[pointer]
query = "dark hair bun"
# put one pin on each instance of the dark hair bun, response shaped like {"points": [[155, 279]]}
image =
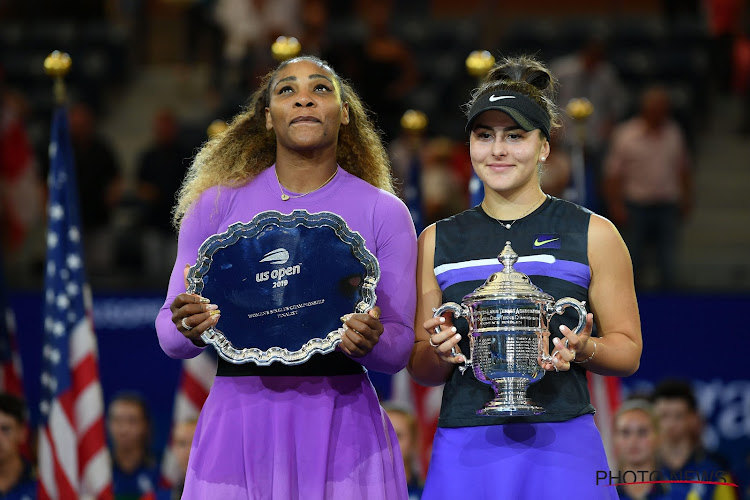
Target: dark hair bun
{"points": [[523, 70], [539, 79]]}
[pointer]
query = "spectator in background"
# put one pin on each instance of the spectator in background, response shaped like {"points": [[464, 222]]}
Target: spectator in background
{"points": [[405, 425], [442, 187], [21, 188], [724, 19], [557, 170], [134, 470], [587, 73], [314, 38], [100, 186], [383, 68], [160, 172], [249, 28], [681, 452], [649, 184], [16, 478], [636, 441], [427, 165], [182, 440]]}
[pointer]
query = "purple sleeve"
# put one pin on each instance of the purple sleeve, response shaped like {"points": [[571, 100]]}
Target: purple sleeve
{"points": [[193, 232], [396, 251]]}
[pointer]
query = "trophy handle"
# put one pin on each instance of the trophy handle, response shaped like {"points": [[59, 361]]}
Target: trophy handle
{"points": [[579, 306], [457, 311]]}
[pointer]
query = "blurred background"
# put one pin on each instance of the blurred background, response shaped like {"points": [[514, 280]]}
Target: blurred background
{"points": [[150, 76]]}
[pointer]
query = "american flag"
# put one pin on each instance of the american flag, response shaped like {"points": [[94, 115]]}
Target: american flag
{"points": [[195, 383], [10, 361], [74, 462], [424, 402], [606, 396]]}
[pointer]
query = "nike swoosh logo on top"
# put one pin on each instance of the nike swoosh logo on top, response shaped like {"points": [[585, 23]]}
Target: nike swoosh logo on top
{"points": [[538, 243], [494, 97]]}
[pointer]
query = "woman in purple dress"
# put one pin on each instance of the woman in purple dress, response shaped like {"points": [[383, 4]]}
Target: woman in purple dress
{"points": [[567, 251], [314, 430]]}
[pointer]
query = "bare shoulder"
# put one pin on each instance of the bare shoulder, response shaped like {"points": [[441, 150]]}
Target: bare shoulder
{"points": [[603, 234], [426, 244], [606, 246], [428, 235]]}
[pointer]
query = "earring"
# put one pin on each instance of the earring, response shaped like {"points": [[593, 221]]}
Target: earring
{"points": [[543, 158]]}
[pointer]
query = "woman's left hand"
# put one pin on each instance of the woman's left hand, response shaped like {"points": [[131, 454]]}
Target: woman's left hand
{"points": [[361, 332], [563, 356]]}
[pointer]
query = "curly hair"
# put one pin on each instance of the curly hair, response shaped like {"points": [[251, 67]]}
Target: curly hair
{"points": [[526, 75], [235, 156]]}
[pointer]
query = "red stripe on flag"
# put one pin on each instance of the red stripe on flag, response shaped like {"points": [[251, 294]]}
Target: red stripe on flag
{"points": [[67, 403], [41, 492], [84, 373], [11, 380], [614, 392], [107, 494], [193, 389], [427, 419], [90, 443], [65, 490]]}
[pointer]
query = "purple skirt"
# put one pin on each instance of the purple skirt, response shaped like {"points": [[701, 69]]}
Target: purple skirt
{"points": [[311, 438], [518, 462]]}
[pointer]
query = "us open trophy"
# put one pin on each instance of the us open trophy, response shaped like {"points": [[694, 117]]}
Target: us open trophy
{"points": [[508, 320]]}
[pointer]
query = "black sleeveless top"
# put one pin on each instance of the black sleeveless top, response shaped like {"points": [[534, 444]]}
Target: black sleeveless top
{"points": [[552, 245]]}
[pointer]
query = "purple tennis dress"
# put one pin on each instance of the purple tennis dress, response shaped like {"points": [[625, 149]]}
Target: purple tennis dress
{"points": [[302, 437]]}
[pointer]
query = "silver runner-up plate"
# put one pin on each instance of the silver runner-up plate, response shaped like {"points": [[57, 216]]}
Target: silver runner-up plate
{"points": [[282, 283]]}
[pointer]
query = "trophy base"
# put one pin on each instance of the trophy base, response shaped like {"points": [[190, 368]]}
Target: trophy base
{"points": [[501, 409], [510, 399]]}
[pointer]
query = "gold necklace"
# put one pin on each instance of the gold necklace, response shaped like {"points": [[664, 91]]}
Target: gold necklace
{"points": [[285, 197], [508, 225]]}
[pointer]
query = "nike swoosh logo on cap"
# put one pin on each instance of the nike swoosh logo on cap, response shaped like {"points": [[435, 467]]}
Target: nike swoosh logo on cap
{"points": [[538, 243], [494, 97]]}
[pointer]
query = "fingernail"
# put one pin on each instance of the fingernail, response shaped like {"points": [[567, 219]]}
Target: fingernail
{"points": [[211, 307], [442, 319], [345, 318], [205, 300], [555, 341], [561, 328], [215, 313], [453, 329], [457, 336], [374, 313], [216, 316]]}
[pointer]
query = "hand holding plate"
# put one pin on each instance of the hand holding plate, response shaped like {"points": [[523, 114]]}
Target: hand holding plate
{"points": [[361, 332], [192, 315]]}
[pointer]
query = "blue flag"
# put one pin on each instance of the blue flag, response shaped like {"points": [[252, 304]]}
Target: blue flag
{"points": [[413, 193], [10, 360], [476, 190]]}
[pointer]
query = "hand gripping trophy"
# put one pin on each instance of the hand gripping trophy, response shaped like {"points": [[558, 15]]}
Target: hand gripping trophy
{"points": [[508, 324]]}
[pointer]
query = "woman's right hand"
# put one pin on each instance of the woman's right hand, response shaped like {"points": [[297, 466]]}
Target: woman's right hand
{"points": [[192, 315], [444, 341]]}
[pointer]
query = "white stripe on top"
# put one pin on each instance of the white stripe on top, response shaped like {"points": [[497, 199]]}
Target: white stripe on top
{"points": [[547, 259]]}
